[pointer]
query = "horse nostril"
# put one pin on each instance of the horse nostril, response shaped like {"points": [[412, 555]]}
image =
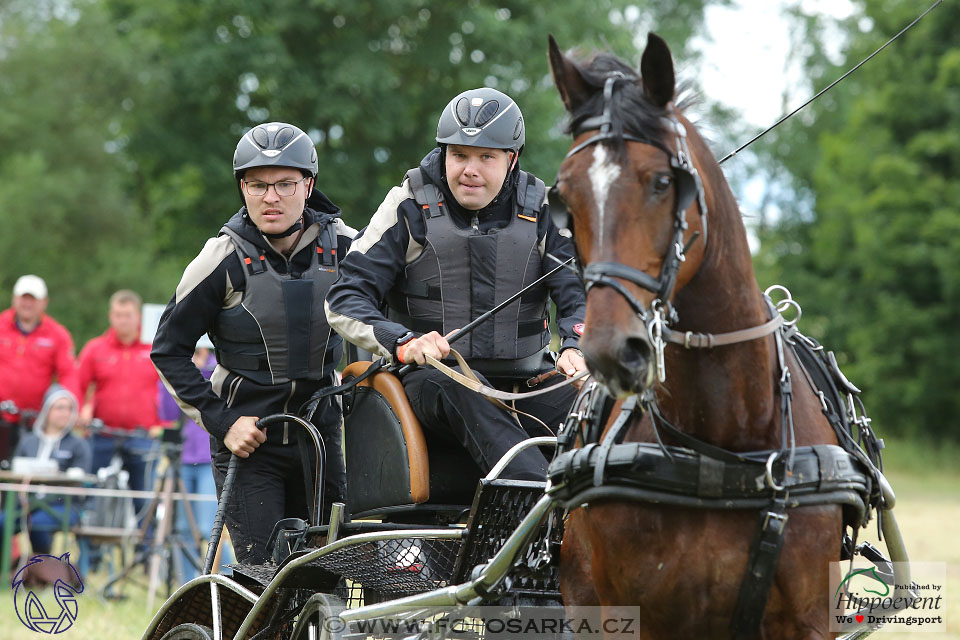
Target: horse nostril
{"points": [[635, 351]]}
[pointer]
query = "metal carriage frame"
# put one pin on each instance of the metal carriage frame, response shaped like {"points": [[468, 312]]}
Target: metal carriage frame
{"points": [[369, 570]]}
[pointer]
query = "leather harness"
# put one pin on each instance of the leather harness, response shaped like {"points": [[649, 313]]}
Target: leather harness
{"points": [[698, 474]]}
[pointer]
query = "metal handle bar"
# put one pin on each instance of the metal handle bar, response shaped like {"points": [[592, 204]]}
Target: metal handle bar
{"points": [[228, 481], [515, 450], [97, 427]]}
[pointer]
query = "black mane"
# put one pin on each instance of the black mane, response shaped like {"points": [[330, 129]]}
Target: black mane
{"points": [[631, 111]]}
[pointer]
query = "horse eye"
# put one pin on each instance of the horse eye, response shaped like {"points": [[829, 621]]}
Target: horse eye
{"points": [[662, 183]]}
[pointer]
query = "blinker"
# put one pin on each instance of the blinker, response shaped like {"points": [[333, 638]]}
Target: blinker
{"points": [[686, 187], [559, 212]]}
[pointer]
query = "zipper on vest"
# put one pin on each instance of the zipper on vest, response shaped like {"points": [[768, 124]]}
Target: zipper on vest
{"points": [[286, 408], [475, 223]]}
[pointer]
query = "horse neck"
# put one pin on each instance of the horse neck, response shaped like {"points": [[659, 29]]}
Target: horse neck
{"points": [[724, 395]]}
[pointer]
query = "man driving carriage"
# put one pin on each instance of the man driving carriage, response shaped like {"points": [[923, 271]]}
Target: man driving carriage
{"points": [[464, 231], [257, 289]]}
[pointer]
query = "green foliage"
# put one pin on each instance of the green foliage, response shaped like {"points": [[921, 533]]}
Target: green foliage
{"points": [[870, 248], [121, 116]]}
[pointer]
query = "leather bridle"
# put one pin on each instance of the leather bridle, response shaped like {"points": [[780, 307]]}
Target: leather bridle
{"points": [[688, 187]]}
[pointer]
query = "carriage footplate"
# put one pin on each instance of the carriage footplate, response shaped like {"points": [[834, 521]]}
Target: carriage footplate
{"points": [[310, 575], [498, 507]]}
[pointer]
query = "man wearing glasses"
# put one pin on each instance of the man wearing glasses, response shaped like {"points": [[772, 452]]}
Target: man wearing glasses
{"points": [[257, 289]]}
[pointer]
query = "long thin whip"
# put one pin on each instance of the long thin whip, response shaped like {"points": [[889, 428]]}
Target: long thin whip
{"points": [[832, 84]]}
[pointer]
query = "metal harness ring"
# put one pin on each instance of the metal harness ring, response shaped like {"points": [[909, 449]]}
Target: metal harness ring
{"points": [[769, 475]]}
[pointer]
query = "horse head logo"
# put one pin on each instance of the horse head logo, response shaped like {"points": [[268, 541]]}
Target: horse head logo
{"points": [[870, 573], [67, 585]]}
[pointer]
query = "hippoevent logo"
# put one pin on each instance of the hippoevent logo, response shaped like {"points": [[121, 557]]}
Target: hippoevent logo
{"points": [[47, 611], [891, 596]]}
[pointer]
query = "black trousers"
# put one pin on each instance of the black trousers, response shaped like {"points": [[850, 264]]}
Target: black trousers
{"points": [[271, 484], [447, 409]]}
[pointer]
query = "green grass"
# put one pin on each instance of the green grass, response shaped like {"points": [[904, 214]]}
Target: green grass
{"points": [[96, 618], [925, 477]]}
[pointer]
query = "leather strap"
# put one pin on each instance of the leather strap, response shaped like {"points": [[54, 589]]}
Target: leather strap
{"points": [[761, 568], [490, 392], [692, 340]]}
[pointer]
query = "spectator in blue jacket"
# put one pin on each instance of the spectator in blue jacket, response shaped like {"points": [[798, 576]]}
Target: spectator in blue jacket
{"points": [[51, 439]]}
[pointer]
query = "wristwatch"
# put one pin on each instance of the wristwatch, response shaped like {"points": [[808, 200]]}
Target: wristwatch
{"points": [[402, 340]]}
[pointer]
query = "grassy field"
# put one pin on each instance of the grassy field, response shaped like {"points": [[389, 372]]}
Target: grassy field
{"points": [[926, 480]]}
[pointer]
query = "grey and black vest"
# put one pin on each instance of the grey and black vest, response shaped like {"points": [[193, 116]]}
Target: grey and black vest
{"points": [[279, 331], [463, 272]]}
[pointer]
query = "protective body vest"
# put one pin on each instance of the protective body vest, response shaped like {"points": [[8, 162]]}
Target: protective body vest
{"points": [[279, 331], [463, 272]]}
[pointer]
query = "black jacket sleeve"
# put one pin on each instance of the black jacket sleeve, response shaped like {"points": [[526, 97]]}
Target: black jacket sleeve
{"points": [[565, 287], [377, 258], [206, 285]]}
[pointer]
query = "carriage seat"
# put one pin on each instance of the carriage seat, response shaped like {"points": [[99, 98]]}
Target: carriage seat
{"points": [[390, 467]]}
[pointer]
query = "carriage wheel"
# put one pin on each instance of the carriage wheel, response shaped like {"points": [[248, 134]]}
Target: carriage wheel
{"points": [[315, 619], [189, 631]]}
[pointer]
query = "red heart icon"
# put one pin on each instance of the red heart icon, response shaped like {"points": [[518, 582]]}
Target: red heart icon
{"points": [[859, 618]]}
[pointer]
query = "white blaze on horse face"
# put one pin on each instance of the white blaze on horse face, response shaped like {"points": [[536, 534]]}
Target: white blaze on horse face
{"points": [[602, 174]]}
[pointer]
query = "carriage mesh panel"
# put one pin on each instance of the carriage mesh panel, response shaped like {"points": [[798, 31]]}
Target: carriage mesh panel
{"points": [[386, 569], [498, 508], [373, 571]]}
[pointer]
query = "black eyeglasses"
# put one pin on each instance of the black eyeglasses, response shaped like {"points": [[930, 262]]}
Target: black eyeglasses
{"points": [[284, 188]]}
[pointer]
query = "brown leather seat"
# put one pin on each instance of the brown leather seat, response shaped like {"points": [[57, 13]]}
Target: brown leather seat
{"points": [[389, 463], [367, 458]]}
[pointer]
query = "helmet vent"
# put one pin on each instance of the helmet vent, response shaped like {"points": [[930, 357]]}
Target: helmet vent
{"points": [[259, 136], [463, 111], [518, 130], [284, 137], [487, 112]]}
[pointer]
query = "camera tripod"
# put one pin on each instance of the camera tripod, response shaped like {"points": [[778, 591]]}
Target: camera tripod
{"points": [[158, 541]]}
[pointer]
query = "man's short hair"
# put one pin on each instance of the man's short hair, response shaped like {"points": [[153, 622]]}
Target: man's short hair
{"points": [[126, 296]]}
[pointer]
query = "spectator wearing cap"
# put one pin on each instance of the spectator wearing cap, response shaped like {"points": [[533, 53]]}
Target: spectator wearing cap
{"points": [[35, 351]]}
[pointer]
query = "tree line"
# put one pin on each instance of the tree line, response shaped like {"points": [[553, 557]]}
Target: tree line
{"points": [[119, 119]]}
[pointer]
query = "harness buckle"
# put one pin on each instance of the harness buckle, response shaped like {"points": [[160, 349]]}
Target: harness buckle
{"points": [[779, 520], [655, 330]]}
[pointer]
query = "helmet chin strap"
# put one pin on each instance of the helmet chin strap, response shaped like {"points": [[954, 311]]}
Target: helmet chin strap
{"points": [[296, 226]]}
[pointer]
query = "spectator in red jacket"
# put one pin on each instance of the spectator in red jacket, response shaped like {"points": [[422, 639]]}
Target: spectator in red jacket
{"points": [[35, 351], [119, 382]]}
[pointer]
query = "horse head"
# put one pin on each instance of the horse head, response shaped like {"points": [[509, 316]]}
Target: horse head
{"points": [[636, 204]]}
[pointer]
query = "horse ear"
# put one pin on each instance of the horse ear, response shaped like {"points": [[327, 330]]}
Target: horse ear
{"points": [[574, 91], [656, 69]]}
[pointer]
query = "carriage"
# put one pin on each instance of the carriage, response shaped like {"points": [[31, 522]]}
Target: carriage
{"points": [[421, 549], [417, 525], [756, 419]]}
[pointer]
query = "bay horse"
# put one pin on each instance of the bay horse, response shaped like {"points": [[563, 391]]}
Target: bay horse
{"points": [[675, 321]]}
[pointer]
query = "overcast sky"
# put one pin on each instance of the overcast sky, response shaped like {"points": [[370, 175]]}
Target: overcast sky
{"points": [[748, 61]]}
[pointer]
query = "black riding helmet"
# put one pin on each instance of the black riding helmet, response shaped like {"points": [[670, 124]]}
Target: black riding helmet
{"points": [[482, 117], [275, 144]]}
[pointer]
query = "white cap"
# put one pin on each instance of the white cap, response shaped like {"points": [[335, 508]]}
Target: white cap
{"points": [[32, 286]]}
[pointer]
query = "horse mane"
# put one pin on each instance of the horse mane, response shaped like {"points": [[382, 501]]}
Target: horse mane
{"points": [[630, 109]]}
